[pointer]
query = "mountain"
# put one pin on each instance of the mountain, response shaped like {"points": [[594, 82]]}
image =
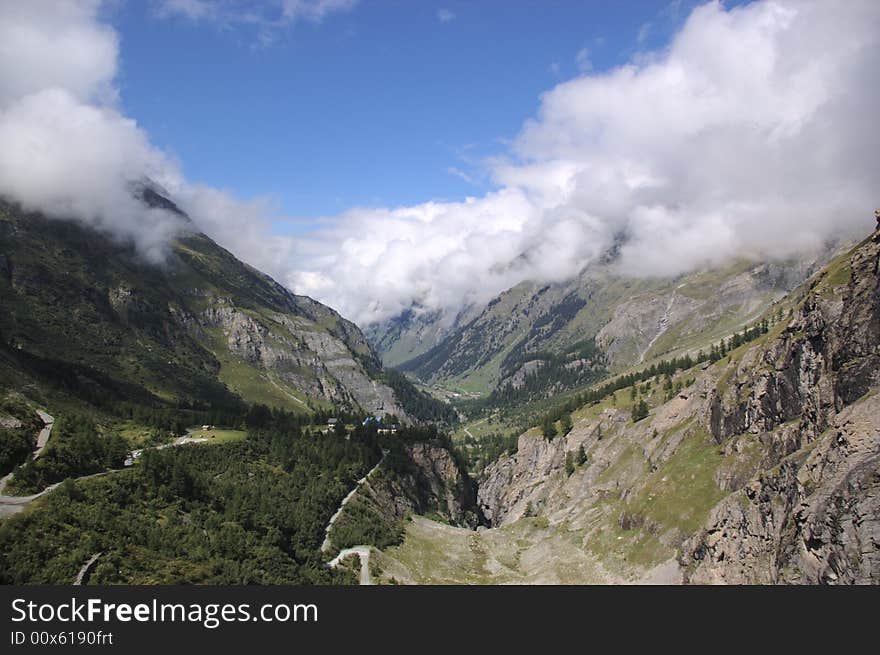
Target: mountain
{"points": [[599, 320], [761, 467], [84, 313]]}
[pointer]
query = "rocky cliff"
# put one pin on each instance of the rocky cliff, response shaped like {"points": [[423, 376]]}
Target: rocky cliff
{"points": [[85, 311], [422, 478], [763, 467], [813, 515]]}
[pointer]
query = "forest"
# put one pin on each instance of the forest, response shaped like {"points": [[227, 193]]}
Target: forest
{"points": [[77, 447], [244, 512], [420, 405], [248, 512]]}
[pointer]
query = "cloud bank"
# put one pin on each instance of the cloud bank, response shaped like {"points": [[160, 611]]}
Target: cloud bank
{"points": [[66, 150], [753, 133]]}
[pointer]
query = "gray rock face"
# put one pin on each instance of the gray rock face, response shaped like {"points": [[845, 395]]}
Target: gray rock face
{"points": [[289, 347], [428, 482], [512, 482], [785, 438], [814, 517], [828, 356]]}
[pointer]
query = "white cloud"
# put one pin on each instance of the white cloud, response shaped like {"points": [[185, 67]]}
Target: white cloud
{"points": [[752, 133], [267, 14], [445, 15], [70, 159], [55, 43], [65, 150], [69, 152]]}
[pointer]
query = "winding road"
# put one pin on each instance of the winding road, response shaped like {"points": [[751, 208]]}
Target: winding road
{"points": [[327, 543], [45, 433], [83, 572], [363, 552], [42, 442], [10, 505]]}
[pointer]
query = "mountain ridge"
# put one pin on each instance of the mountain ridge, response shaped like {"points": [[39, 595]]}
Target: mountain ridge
{"points": [[630, 320], [761, 468], [202, 327]]}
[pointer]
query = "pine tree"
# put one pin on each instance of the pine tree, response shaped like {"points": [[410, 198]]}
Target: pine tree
{"points": [[565, 423], [640, 411], [548, 428]]}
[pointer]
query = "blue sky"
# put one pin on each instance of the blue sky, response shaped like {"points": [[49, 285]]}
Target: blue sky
{"points": [[700, 131], [383, 104]]}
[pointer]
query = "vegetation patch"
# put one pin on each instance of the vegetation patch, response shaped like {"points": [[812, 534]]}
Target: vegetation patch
{"points": [[682, 491], [244, 512]]}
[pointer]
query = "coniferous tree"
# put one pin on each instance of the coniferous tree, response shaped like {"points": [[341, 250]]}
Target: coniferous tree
{"points": [[640, 411], [548, 428], [565, 423]]}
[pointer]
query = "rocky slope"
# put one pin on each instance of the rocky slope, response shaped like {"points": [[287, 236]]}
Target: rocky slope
{"points": [[84, 312], [422, 478], [631, 320], [763, 467], [815, 515]]}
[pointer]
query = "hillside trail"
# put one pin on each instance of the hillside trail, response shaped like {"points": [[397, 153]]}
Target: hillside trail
{"points": [[363, 552], [85, 570], [10, 505], [327, 543], [42, 442], [285, 392], [469, 433], [45, 433]]}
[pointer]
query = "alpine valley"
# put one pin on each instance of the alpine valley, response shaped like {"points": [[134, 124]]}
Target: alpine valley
{"points": [[193, 421]]}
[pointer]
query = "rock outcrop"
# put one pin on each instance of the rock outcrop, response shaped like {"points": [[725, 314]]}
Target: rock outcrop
{"points": [[764, 468], [514, 483], [202, 328], [422, 478], [813, 515], [320, 364]]}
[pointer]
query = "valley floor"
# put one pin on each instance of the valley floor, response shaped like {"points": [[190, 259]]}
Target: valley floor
{"points": [[525, 552]]}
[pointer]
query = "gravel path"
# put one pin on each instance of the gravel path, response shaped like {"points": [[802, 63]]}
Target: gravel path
{"points": [[10, 505], [42, 441], [327, 544], [85, 569], [363, 552], [45, 433]]}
